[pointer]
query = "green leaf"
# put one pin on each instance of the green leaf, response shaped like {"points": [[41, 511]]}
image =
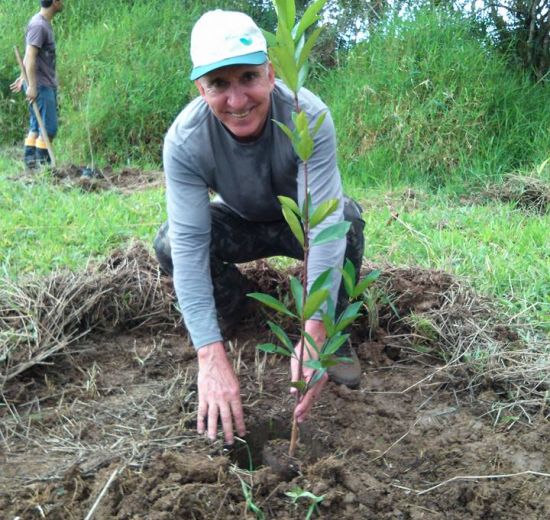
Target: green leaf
{"points": [[281, 10], [323, 281], [301, 121], [348, 316], [290, 204], [329, 361], [285, 129], [322, 211], [268, 300], [348, 283], [302, 75], [331, 309], [333, 232], [328, 322], [299, 45], [306, 51], [317, 376], [300, 385], [313, 363], [334, 344], [309, 17], [294, 223], [348, 277], [311, 343], [304, 147], [270, 348], [365, 283], [269, 38], [297, 293], [318, 123], [290, 13], [281, 334], [314, 302], [283, 60]]}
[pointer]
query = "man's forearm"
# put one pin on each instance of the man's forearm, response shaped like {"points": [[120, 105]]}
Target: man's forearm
{"points": [[30, 68]]}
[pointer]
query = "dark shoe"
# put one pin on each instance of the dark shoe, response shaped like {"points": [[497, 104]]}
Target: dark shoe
{"points": [[42, 156], [346, 373], [29, 157]]}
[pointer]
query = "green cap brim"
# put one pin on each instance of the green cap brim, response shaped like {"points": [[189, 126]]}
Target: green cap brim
{"points": [[256, 58]]}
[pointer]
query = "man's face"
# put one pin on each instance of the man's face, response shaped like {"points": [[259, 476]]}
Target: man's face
{"points": [[240, 97], [58, 4]]}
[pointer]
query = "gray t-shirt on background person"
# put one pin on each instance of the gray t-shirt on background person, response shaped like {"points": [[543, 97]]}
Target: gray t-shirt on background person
{"points": [[199, 153], [40, 34]]}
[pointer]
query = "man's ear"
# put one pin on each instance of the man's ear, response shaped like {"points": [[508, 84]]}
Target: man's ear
{"points": [[200, 87], [271, 74]]}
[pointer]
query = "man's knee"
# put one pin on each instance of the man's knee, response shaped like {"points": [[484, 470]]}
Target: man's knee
{"points": [[162, 248], [355, 237]]}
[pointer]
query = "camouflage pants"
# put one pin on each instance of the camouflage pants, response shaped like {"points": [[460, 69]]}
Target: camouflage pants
{"points": [[235, 240]]}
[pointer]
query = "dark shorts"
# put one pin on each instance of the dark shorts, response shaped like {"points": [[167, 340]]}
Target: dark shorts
{"points": [[236, 240], [47, 106]]}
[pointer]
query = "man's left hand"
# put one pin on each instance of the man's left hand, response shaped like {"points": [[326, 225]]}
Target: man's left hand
{"points": [[316, 330]]}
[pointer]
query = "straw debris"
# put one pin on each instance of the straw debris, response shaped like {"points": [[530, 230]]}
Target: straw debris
{"points": [[42, 316]]}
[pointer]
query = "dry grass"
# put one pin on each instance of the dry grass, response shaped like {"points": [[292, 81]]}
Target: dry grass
{"points": [[39, 317], [420, 311], [527, 192], [480, 347]]}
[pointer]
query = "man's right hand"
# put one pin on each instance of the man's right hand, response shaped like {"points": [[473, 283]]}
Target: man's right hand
{"points": [[219, 394], [17, 85]]}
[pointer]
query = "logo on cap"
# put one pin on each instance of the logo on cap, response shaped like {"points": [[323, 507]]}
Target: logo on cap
{"points": [[246, 40]]}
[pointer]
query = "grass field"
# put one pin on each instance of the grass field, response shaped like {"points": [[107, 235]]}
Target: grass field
{"points": [[501, 249]]}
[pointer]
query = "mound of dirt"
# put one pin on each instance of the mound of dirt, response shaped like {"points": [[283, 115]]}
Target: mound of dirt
{"points": [[105, 427], [526, 192], [111, 429]]}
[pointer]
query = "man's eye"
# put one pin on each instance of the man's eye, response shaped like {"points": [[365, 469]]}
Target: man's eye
{"points": [[250, 76]]}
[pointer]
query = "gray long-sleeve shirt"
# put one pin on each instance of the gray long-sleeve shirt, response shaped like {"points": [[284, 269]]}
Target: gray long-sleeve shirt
{"points": [[199, 153]]}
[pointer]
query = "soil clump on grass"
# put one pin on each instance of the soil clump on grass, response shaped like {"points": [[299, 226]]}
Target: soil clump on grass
{"points": [[125, 180], [529, 193], [105, 426]]}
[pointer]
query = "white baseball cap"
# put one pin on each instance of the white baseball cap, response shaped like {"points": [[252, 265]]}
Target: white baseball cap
{"points": [[222, 38]]}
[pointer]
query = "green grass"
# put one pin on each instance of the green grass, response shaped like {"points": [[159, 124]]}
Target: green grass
{"points": [[502, 251], [44, 227], [427, 101]]}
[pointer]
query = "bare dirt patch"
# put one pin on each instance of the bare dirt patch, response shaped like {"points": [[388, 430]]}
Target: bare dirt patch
{"points": [[104, 427], [126, 180]]}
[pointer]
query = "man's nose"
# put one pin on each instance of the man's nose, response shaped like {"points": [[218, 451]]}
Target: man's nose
{"points": [[236, 97]]}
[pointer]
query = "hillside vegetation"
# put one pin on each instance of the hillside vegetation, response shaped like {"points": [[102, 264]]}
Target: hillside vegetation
{"points": [[422, 99]]}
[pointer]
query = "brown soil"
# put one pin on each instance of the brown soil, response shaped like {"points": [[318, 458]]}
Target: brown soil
{"points": [[107, 428], [126, 180]]}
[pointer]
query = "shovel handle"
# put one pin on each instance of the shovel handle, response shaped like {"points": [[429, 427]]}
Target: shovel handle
{"points": [[43, 132]]}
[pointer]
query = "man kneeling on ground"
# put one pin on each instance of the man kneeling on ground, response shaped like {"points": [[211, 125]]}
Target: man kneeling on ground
{"points": [[226, 141]]}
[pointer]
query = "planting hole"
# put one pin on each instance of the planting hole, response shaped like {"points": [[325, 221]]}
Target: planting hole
{"points": [[248, 455]]}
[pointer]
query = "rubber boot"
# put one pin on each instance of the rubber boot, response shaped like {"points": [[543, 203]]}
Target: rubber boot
{"points": [[29, 153], [42, 154], [347, 372]]}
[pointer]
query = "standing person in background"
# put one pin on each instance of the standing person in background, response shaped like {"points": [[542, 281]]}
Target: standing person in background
{"points": [[39, 64], [226, 141]]}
